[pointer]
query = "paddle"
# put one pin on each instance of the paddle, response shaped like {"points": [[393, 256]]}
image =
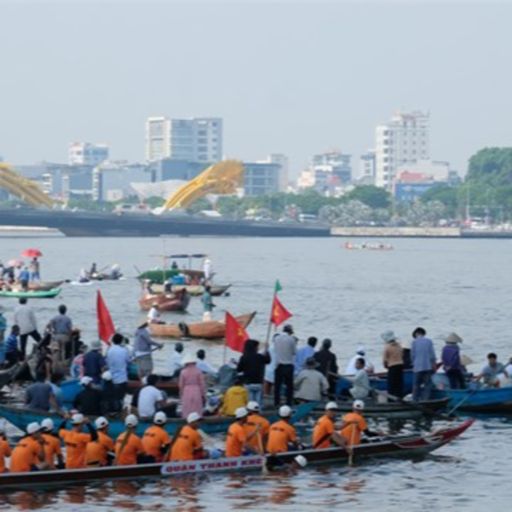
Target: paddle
{"points": [[351, 446], [173, 442], [469, 395]]}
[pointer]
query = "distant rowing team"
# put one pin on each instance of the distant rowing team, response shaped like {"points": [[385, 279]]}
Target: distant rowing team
{"points": [[250, 433]]}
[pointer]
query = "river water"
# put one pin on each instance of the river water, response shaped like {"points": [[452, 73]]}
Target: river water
{"points": [[348, 296]]}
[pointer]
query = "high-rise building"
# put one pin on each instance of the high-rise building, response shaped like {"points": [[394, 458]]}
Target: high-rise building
{"points": [[196, 139], [85, 153], [366, 175], [403, 140]]}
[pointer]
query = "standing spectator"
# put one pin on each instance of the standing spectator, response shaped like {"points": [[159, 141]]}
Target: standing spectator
{"points": [[252, 366], [328, 364], [270, 373], [192, 387], [94, 363], [423, 364], [61, 328], [393, 361], [204, 365], [118, 359], [143, 346], [285, 348], [24, 278], [25, 318], [452, 365], [208, 304], [311, 384], [35, 270], [305, 353], [176, 362]]}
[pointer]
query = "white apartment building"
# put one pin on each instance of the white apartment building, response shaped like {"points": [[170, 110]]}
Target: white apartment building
{"points": [[85, 153], [196, 139], [405, 139]]}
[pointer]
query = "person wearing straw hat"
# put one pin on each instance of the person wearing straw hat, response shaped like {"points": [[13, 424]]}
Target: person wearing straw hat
{"points": [[393, 361], [452, 364], [192, 386]]}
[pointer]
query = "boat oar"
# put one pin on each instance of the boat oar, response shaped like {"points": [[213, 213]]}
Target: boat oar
{"points": [[461, 402], [351, 446], [415, 406]]}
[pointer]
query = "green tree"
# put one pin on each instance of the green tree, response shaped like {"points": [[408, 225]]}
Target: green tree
{"points": [[374, 197]]}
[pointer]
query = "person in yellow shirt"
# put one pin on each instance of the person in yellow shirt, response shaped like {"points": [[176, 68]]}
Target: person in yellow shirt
{"points": [[236, 440], [235, 397], [5, 449], [52, 450], [282, 436], [324, 432], [128, 444], [76, 441], [187, 443], [156, 440], [354, 424], [28, 455], [256, 428], [100, 452]]}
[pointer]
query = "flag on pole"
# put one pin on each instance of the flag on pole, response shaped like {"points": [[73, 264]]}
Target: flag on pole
{"points": [[106, 327], [236, 335], [278, 286], [279, 313]]}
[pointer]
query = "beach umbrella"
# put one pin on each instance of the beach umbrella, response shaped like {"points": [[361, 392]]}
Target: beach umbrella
{"points": [[31, 253], [14, 263]]}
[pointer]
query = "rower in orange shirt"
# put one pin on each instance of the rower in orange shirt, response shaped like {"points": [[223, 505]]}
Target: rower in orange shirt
{"points": [[187, 443], [324, 433], [76, 441], [52, 448], [5, 449], [101, 451], [236, 440], [128, 444], [354, 424], [281, 434], [28, 455], [156, 440], [256, 428]]}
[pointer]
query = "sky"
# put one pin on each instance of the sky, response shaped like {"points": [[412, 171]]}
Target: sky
{"points": [[287, 77]]}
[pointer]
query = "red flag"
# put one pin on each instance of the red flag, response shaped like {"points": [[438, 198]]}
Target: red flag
{"points": [[279, 312], [106, 327], [236, 335]]}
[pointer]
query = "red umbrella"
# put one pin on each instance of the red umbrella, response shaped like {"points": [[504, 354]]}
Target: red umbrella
{"points": [[31, 253]]}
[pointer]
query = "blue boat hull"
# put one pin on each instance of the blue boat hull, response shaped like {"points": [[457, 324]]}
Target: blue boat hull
{"points": [[491, 400]]}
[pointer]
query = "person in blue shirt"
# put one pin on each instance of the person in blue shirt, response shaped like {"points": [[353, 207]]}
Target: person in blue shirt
{"points": [[208, 304], [12, 353], [305, 353], [423, 364], [24, 278]]}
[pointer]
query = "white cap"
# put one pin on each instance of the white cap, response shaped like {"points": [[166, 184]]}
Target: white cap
{"points": [[33, 427], [85, 381], [193, 416], [77, 419], [253, 406], [331, 406], [131, 420], [361, 350], [188, 359], [285, 411], [101, 422], [47, 424], [160, 418], [106, 375], [241, 412], [358, 405], [301, 461]]}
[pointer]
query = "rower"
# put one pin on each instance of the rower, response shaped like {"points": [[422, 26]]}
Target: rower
{"points": [[236, 441], [5, 449], [156, 440], [281, 433], [101, 451], [187, 443], [354, 423], [28, 455], [256, 428], [491, 371], [52, 450], [324, 433], [128, 444], [76, 441]]}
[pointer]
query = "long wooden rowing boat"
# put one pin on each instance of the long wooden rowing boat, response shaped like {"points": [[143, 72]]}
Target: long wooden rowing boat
{"points": [[21, 416], [399, 446], [31, 294], [213, 330], [484, 400]]}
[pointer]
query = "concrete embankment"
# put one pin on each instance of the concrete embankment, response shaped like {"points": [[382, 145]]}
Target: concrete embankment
{"points": [[395, 232]]}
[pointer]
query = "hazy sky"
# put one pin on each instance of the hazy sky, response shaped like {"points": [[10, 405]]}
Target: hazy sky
{"points": [[296, 78]]}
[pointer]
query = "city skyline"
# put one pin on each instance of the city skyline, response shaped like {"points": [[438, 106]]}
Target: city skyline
{"points": [[300, 94]]}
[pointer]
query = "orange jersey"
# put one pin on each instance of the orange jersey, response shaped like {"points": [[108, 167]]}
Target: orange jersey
{"points": [[75, 443], [352, 432], [235, 440], [25, 455], [322, 432], [280, 434], [153, 440], [126, 453], [188, 441], [96, 451], [5, 451], [51, 449], [256, 442]]}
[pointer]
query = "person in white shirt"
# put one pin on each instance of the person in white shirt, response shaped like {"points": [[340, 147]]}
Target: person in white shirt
{"points": [[176, 362], [150, 398], [203, 365], [207, 269], [154, 315], [360, 382], [351, 366], [25, 319]]}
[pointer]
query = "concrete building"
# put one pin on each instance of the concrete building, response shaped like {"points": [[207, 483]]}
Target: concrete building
{"points": [[282, 161], [439, 171], [261, 178], [405, 139], [195, 139], [85, 153], [177, 169], [329, 173], [366, 172]]}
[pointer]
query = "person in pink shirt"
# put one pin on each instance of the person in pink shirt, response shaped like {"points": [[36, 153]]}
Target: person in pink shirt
{"points": [[192, 387]]}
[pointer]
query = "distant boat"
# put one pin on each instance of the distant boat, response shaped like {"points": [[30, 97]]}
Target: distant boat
{"points": [[31, 294], [368, 246]]}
